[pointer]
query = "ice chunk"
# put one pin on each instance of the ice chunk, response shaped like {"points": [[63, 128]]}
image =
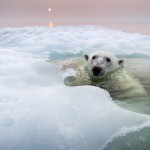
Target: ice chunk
{"points": [[38, 111]]}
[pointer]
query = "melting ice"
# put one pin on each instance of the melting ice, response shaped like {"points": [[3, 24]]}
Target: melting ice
{"points": [[38, 112]]}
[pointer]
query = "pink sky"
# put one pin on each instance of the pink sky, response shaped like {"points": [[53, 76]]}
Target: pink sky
{"points": [[69, 10]]}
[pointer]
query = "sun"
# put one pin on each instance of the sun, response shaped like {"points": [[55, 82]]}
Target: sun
{"points": [[49, 9]]}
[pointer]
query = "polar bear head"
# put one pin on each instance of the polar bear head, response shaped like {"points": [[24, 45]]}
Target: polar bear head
{"points": [[101, 63]]}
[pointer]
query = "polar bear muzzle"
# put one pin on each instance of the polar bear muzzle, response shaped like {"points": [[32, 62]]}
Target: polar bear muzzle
{"points": [[97, 71]]}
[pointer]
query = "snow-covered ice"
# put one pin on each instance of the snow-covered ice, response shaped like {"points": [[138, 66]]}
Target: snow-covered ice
{"points": [[38, 112]]}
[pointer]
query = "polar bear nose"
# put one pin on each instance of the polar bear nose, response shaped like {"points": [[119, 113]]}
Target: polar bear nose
{"points": [[96, 71]]}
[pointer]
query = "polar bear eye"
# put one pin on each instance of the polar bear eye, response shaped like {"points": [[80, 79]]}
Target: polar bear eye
{"points": [[108, 59], [94, 57]]}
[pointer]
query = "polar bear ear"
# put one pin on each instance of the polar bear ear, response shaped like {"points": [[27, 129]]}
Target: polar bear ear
{"points": [[121, 62], [86, 57]]}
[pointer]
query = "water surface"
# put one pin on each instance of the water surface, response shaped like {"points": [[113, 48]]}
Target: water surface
{"points": [[38, 112]]}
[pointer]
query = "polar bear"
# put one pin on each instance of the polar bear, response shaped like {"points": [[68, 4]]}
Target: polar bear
{"points": [[104, 70]]}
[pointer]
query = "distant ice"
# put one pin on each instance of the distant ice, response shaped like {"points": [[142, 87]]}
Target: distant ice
{"points": [[73, 40]]}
